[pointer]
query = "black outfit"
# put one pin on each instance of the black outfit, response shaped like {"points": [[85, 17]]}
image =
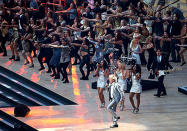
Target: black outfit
{"points": [[74, 51], [126, 42], [160, 65], [152, 55], [85, 61], [3, 42], [158, 29], [176, 27], [166, 53], [45, 52]]}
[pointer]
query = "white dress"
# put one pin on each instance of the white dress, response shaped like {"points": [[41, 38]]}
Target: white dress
{"points": [[101, 82], [136, 86], [122, 82], [135, 54]]}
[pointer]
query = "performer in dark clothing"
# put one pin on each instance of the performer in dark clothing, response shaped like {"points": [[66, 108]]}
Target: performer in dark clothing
{"points": [[45, 52], [159, 63]]}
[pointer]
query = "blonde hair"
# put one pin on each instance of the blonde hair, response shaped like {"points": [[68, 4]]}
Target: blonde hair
{"points": [[133, 45], [113, 77]]}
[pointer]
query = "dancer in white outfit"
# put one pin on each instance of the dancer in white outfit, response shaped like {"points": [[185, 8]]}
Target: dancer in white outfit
{"points": [[122, 75], [136, 87], [102, 72], [136, 50]]}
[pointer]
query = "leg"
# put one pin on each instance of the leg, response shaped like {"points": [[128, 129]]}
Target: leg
{"points": [[182, 56], [157, 44], [16, 50], [4, 39], [25, 57], [178, 50], [58, 70], [82, 63], [98, 90], [88, 66], [31, 58], [172, 47], [122, 106], [65, 76], [131, 99], [161, 87], [40, 57], [12, 50], [138, 101], [102, 95], [70, 67], [112, 109], [149, 63], [54, 71]]}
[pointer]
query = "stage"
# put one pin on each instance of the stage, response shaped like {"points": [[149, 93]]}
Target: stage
{"points": [[164, 113]]}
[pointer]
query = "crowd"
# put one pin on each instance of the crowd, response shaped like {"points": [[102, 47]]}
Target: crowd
{"points": [[89, 31]]}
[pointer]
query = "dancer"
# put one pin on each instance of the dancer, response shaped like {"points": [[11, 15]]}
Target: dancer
{"points": [[102, 72], [136, 50], [117, 96], [84, 51], [136, 88], [121, 74], [65, 59]]}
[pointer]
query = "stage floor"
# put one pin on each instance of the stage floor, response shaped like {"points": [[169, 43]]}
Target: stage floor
{"points": [[165, 113]]}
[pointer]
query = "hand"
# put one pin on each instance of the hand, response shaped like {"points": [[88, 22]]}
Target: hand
{"points": [[98, 65]]}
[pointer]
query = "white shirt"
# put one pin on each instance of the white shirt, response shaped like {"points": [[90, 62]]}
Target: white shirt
{"points": [[159, 58]]}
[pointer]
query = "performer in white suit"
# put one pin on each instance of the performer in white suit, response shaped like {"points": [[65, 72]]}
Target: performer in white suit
{"points": [[116, 95]]}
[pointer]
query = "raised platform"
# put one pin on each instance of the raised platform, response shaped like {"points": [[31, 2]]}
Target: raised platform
{"points": [[183, 89], [16, 89]]}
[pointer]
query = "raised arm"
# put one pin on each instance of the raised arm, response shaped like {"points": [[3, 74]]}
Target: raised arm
{"points": [[94, 20]]}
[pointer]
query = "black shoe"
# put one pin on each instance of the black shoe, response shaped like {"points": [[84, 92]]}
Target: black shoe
{"points": [[31, 66], [157, 95], [12, 58], [183, 63], [52, 75], [114, 126], [17, 59], [163, 94], [86, 78], [49, 71], [57, 77], [35, 55], [42, 68], [63, 79], [66, 81], [5, 54], [82, 78], [118, 117], [26, 63]]}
